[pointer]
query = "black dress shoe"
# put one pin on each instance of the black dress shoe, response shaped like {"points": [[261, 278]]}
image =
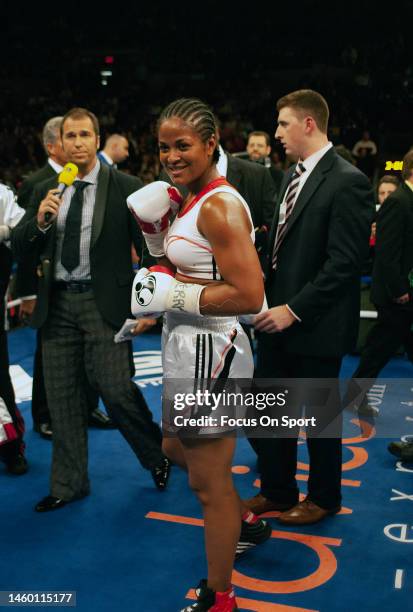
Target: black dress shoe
{"points": [[17, 465], [50, 503], [160, 474], [45, 430], [99, 419], [402, 450]]}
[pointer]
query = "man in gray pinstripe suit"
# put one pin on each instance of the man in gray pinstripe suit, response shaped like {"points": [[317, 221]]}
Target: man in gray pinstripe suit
{"points": [[82, 242]]}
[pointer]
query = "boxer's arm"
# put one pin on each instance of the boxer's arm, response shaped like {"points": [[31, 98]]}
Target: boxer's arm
{"points": [[225, 223]]}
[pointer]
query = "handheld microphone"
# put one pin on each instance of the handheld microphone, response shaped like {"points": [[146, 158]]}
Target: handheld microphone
{"points": [[66, 178]]}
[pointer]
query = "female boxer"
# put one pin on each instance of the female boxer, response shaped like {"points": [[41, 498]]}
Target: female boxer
{"points": [[210, 274]]}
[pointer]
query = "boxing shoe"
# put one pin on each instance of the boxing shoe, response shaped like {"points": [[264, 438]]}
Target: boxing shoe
{"points": [[254, 531], [212, 601]]}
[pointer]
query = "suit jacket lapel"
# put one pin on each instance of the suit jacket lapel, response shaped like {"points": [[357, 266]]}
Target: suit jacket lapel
{"points": [[100, 203], [50, 244], [283, 189], [408, 192], [316, 177]]}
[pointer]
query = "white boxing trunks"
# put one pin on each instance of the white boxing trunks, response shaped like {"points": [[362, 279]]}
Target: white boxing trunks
{"points": [[201, 351]]}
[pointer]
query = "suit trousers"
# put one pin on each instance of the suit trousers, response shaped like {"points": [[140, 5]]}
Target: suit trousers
{"points": [[392, 329], [277, 457], [76, 338], [40, 409]]}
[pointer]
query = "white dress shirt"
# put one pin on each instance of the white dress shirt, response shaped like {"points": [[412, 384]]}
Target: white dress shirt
{"points": [[56, 167], [222, 164]]}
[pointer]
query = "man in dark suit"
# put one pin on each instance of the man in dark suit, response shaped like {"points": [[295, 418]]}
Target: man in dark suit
{"points": [[115, 151], [256, 186], [259, 150], [82, 241], [254, 183], [391, 290], [56, 159], [318, 242], [27, 288]]}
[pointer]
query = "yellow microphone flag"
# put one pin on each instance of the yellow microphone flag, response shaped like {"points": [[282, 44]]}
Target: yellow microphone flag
{"points": [[68, 174]]}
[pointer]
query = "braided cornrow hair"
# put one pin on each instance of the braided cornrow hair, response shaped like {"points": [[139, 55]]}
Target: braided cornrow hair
{"points": [[195, 113]]}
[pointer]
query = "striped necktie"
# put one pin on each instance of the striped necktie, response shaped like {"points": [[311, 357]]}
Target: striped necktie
{"points": [[289, 205]]}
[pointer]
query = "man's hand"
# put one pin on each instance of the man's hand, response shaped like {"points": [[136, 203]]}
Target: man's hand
{"points": [[26, 309], [50, 205], [142, 326], [274, 320], [403, 299]]}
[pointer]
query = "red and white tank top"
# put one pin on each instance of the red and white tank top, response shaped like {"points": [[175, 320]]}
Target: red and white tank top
{"points": [[186, 247]]}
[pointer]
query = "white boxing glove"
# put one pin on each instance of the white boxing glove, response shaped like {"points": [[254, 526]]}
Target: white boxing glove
{"points": [[152, 206], [156, 291]]}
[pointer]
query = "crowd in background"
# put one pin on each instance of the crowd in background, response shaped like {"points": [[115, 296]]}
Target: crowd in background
{"points": [[368, 82], [239, 65]]}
